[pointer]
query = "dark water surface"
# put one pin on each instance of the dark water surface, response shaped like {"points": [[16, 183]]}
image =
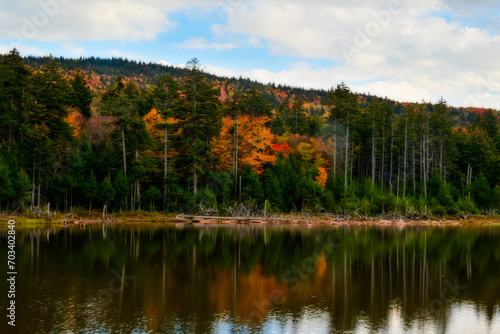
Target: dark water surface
{"points": [[253, 279]]}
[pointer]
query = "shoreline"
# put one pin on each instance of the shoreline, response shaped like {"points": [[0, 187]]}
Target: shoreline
{"points": [[147, 218]]}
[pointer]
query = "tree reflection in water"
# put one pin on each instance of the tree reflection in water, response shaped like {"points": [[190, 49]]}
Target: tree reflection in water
{"points": [[255, 278]]}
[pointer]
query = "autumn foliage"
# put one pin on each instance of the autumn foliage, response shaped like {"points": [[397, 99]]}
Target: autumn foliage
{"points": [[254, 143]]}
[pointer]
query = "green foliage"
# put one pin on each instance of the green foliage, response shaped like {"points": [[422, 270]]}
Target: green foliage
{"points": [[407, 159], [335, 184], [121, 187], [22, 186], [152, 195], [390, 202], [206, 197], [251, 187], [91, 188], [222, 185], [495, 199], [273, 188], [7, 189], [310, 194], [467, 205], [255, 104], [481, 191], [107, 192], [199, 120], [175, 193], [82, 95]]}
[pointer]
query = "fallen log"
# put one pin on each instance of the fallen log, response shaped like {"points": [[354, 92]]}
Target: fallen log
{"points": [[79, 222], [259, 219]]}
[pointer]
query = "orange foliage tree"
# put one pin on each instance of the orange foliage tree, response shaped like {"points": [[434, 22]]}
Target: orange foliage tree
{"points": [[322, 176], [223, 145], [255, 143], [77, 121]]}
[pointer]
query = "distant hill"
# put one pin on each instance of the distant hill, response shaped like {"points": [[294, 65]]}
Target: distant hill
{"points": [[101, 73]]}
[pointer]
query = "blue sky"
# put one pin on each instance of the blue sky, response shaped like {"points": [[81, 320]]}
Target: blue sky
{"points": [[407, 50]]}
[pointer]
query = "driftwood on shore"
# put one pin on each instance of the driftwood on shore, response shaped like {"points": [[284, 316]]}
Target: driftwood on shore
{"points": [[189, 219], [87, 221], [239, 218]]}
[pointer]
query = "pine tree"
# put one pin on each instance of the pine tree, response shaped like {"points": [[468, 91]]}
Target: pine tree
{"points": [[495, 199], [91, 189], [344, 108], [7, 191], [199, 122], [82, 95], [166, 99], [335, 185], [122, 188], [441, 124], [298, 118], [15, 82], [255, 104], [152, 195], [22, 186], [309, 194], [251, 187], [481, 191], [106, 192], [273, 190]]}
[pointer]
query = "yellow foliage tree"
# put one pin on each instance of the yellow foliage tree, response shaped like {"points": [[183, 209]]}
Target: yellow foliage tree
{"points": [[152, 120], [306, 151]]}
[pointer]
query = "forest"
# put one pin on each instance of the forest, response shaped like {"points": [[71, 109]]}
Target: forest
{"points": [[88, 133]]}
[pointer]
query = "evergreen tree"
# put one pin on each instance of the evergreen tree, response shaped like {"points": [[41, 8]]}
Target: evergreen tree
{"points": [[255, 104], [15, 82], [82, 95], [344, 108], [297, 121], [166, 98], [7, 191], [122, 188], [91, 188], [495, 199], [273, 190], [22, 186], [481, 191], [106, 191], [290, 180], [310, 194], [335, 185], [199, 121], [441, 124], [251, 187], [152, 195]]}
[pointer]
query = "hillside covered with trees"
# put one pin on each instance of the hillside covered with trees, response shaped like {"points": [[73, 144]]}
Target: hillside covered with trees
{"points": [[133, 136]]}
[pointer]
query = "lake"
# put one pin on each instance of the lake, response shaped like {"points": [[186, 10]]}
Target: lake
{"points": [[151, 278]]}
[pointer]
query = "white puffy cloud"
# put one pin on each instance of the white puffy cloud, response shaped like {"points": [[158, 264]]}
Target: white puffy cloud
{"points": [[63, 20], [407, 50]]}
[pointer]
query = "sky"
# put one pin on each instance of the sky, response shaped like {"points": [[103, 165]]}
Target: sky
{"points": [[407, 50]]}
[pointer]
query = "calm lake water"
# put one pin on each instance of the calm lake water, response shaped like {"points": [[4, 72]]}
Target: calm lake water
{"points": [[254, 279]]}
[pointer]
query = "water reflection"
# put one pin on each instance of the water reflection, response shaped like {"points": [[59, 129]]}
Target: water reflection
{"points": [[246, 279]]}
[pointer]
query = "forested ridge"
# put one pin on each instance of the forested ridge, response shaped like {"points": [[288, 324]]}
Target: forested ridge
{"points": [[84, 133]]}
